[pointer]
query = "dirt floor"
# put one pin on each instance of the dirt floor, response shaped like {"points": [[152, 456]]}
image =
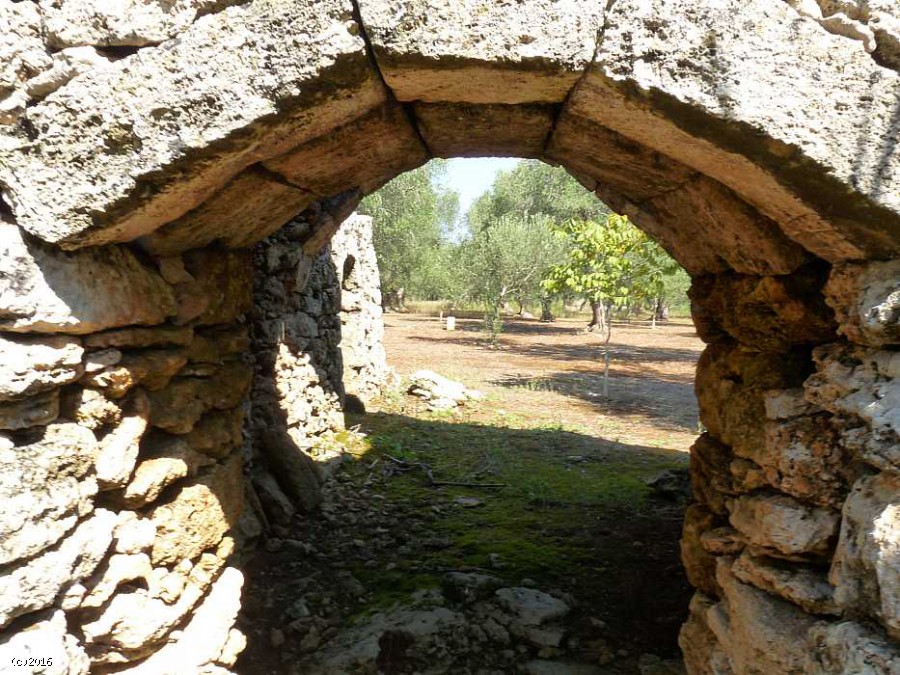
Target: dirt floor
{"points": [[545, 484]]}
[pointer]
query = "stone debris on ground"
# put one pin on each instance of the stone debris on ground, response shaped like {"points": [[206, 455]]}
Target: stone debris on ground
{"points": [[318, 608], [439, 392]]}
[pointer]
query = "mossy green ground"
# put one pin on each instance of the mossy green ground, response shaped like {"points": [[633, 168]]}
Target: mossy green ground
{"points": [[573, 513]]}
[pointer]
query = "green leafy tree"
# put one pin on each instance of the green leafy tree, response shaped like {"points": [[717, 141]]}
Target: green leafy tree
{"points": [[411, 215], [506, 260]]}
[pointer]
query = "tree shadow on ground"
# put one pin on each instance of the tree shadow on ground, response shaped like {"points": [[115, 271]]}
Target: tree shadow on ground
{"points": [[667, 400]]}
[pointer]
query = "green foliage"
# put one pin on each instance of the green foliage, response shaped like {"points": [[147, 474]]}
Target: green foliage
{"points": [[612, 262], [411, 216]]}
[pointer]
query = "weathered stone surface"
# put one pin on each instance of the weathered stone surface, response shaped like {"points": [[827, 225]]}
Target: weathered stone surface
{"points": [[723, 541], [152, 368], [276, 505], [43, 289], [204, 640], [45, 487], [483, 51], [866, 300], [22, 55], [160, 336], [46, 639], [217, 432], [36, 584], [708, 228], [166, 107], [128, 23], [531, 606], [731, 386], [180, 405], [119, 448], [759, 632], [460, 130], [165, 462], [710, 480], [703, 655], [766, 313], [784, 525], [114, 637], [90, 408], [803, 586], [866, 566], [29, 365], [785, 404], [863, 386], [699, 564], [199, 515], [364, 154], [803, 457], [221, 283], [687, 80], [66, 65], [848, 647], [38, 410]]}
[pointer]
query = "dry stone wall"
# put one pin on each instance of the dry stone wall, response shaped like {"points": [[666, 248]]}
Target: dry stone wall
{"points": [[145, 148]]}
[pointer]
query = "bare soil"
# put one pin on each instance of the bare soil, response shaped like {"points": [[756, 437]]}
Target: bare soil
{"points": [[575, 515]]}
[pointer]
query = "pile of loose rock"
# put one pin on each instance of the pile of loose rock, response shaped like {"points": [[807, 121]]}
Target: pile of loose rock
{"points": [[439, 392]]}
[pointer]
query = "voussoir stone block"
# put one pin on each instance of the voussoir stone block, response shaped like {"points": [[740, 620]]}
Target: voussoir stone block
{"points": [[482, 51], [44, 289], [181, 119], [694, 81], [364, 154]]}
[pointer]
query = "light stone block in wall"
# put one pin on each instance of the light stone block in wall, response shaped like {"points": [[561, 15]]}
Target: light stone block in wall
{"points": [[759, 632], [866, 300], [32, 364], [47, 638], [783, 526], [45, 487], [22, 55], [850, 648], [43, 289], [691, 80], [364, 154], [483, 51], [199, 515], [181, 119], [866, 566], [460, 130], [36, 584]]}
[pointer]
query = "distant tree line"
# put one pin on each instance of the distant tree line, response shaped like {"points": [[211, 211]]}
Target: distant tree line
{"points": [[535, 238]]}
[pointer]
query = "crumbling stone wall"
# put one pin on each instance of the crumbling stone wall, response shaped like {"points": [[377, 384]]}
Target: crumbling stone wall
{"points": [[352, 252], [136, 174]]}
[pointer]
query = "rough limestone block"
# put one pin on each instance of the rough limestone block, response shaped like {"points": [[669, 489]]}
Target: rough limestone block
{"points": [[47, 638], [804, 586], [249, 208], [866, 301], [783, 525], [364, 154], [165, 462], [45, 487], [35, 411], [205, 639], [692, 80], [461, 130], [181, 119], [22, 55], [180, 405], [199, 515], [703, 654], [866, 566], [120, 447], [32, 364], [759, 632], [121, 23], [36, 584], [483, 51], [43, 289], [850, 647]]}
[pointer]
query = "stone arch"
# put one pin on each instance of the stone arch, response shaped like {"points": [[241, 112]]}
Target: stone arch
{"points": [[141, 159]]}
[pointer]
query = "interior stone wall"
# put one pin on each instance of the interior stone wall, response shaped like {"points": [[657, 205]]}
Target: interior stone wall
{"points": [[137, 172]]}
